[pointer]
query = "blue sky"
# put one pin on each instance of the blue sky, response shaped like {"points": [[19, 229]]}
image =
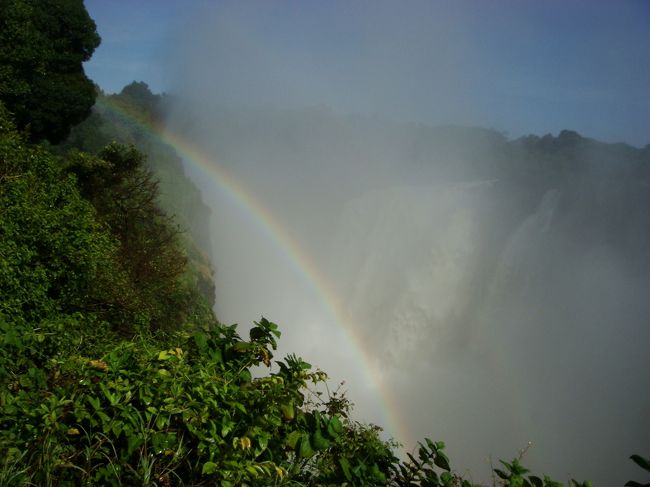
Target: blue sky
{"points": [[517, 66]]}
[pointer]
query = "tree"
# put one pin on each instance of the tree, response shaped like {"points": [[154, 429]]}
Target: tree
{"points": [[138, 99], [43, 44], [125, 196], [55, 258]]}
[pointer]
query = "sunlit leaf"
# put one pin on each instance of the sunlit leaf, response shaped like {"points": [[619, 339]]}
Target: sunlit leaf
{"points": [[334, 427], [293, 438], [305, 450], [209, 468], [319, 442], [242, 347], [287, 410]]}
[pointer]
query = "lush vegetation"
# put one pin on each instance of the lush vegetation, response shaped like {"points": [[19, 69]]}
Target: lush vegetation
{"points": [[42, 81], [113, 369], [131, 118]]}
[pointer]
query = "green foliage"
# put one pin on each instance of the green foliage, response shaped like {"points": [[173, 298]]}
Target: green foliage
{"points": [[514, 475], [43, 44], [131, 118], [185, 409], [54, 256], [125, 196], [87, 236], [160, 409]]}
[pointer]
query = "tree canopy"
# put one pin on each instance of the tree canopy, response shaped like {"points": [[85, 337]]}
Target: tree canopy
{"points": [[43, 44]]}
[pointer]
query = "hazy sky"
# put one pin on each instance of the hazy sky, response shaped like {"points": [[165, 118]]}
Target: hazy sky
{"points": [[519, 67]]}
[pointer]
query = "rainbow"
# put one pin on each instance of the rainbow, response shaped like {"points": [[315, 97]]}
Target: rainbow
{"points": [[302, 263]]}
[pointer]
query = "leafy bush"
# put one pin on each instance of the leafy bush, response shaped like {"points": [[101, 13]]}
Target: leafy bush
{"points": [[54, 256], [184, 409], [125, 197], [168, 409]]}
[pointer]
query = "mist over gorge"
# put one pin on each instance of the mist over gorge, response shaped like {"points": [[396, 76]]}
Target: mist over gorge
{"points": [[496, 282], [499, 286]]}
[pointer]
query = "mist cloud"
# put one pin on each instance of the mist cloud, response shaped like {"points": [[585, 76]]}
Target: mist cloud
{"points": [[499, 286]]}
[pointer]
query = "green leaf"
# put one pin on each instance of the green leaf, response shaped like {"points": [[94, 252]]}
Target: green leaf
{"points": [[201, 342], [377, 474], [263, 441], [304, 365], [161, 422], [133, 442], [641, 462], [517, 468], [287, 410], [94, 402], [501, 474], [423, 453], [108, 394], [413, 460], [516, 481], [447, 479], [251, 469], [317, 418], [549, 482], [256, 333], [345, 466], [241, 347], [293, 438], [305, 450], [441, 461], [117, 428], [209, 468], [216, 356], [226, 426], [319, 442], [334, 427], [105, 420]]}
